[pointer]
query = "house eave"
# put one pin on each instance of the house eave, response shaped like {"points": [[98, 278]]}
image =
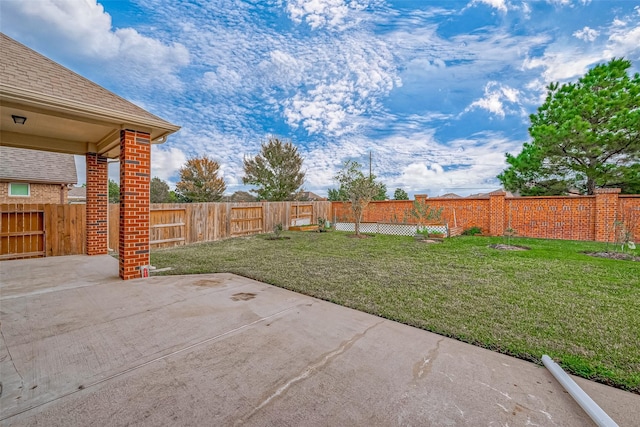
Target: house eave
{"points": [[84, 112]]}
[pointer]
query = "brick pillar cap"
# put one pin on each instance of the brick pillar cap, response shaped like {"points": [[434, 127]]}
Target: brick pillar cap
{"points": [[422, 196], [607, 191], [497, 193]]}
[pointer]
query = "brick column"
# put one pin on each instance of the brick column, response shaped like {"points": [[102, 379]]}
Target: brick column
{"points": [[97, 204], [496, 213], [135, 171], [421, 198], [606, 213]]}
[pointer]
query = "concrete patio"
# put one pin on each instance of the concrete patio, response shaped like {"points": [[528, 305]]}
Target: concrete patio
{"points": [[81, 347]]}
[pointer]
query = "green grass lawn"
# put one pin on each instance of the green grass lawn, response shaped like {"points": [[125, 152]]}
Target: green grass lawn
{"points": [[582, 311]]}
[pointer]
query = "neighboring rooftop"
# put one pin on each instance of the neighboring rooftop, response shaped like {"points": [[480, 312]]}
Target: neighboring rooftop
{"points": [[17, 164], [499, 190], [308, 195], [77, 193]]}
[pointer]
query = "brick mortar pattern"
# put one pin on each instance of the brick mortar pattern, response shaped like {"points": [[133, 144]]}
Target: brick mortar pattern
{"points": [[567, 218], [135, 172], [97, 204], [40, 193]]}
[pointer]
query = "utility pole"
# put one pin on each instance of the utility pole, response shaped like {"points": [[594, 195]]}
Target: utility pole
{"points": [[369, 165]]}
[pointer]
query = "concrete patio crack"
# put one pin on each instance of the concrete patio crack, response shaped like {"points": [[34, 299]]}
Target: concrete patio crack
{"points": [[324, 360], [11, 359], [149, 362]]}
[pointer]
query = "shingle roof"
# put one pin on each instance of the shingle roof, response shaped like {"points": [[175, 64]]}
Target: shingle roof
{"points": [[77, 193], [310, 196], [26, 69], [17, 164]]}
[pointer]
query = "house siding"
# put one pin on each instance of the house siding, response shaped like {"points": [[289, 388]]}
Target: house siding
{"points": [[39, 193]]}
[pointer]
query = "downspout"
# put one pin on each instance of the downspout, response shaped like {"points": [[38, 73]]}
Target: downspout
{"points": [[590, 407]]}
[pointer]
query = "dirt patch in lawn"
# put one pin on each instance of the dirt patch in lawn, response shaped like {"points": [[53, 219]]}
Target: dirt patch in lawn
{"points": [[430, 241], [614, 255], [502, 247]]}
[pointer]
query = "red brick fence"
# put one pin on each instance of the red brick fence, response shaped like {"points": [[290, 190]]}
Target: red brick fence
{"points": [[597, 217]]}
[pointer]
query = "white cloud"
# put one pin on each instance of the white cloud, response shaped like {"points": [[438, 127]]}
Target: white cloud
{"points": [[462, 166], [336, 85], [166, 162], [334, 14], [587, 34], [562, 65], [570, 3], [500, 5], [82, 30], [562, 62], [624, 38], [495, 96]]}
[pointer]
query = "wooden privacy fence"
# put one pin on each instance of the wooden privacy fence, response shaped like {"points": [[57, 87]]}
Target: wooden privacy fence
{"points": [[37, 230], [185, 223]]}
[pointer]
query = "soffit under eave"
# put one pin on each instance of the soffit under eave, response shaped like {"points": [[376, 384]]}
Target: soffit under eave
{"points": [[86, 128]]}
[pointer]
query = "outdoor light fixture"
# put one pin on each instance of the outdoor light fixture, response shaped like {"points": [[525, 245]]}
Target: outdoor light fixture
{"points": [[19, 120]]}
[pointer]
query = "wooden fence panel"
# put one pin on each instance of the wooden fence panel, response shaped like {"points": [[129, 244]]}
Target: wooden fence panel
{"points": [[301, 214], [167, 227], [246, 220], [216, 221], [22, 231], [113, 226], [65, 226], [36, 230]]}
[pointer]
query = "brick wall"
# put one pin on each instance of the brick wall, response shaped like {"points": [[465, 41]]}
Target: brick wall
{"points": [[135, 171], [97, 204], [629, 213], [40, 193], [568, 218], [463, 212]]}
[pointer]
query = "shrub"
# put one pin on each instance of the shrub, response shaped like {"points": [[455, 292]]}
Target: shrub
{"points": [[277, 229], [472, 231]]}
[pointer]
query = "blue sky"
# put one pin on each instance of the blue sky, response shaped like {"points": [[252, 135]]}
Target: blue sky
{"points": [[437, 91]]}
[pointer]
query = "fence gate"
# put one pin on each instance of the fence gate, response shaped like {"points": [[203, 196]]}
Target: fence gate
{"points": [[22, 233], [246, 220], [301, 214]]}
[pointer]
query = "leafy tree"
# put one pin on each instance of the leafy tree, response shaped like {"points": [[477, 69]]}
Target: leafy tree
{"points": [[199, 181], [276, 171], [382, 192], [358, 188], [114, 192], [337, 195], [176, 198], [400, 194], [159, 191], [585, 135], [340, 194], [239, 196]]}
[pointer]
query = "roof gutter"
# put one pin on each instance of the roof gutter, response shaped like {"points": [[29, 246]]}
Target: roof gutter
{"points": [[81, 110]]}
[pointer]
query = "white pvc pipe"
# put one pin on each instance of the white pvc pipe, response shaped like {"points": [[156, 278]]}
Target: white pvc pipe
{"points": [[590, 407]]}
